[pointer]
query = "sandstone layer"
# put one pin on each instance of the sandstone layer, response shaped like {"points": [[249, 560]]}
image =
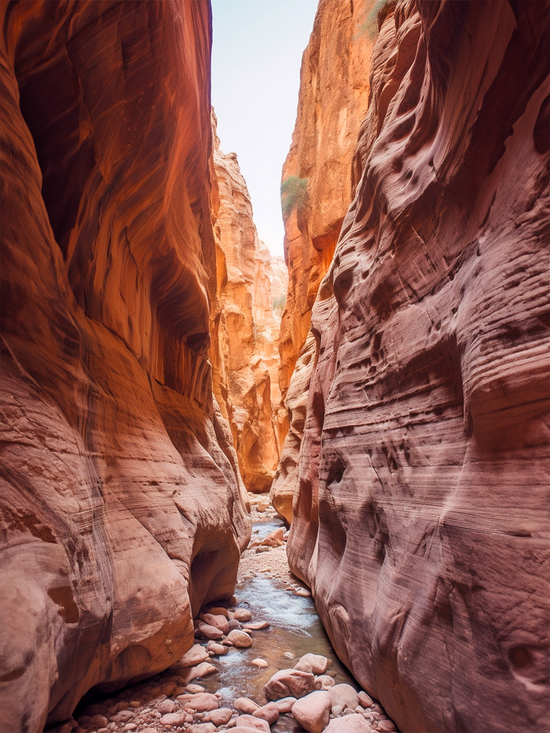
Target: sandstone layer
{"points": [[120, 511], [317, 190], [422, 518], [251, 288]]}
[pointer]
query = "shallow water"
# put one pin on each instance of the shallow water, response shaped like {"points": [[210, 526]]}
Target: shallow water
{"points": [[295, 629]]}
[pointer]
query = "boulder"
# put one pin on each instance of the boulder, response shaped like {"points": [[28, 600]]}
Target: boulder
{"points": [[315, 663], [289, 683], [344, 695], [240, 639], [313, 711], [354, 723]]}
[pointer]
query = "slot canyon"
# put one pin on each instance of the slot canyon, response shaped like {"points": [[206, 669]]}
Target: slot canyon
{"points": [[253, 494]]}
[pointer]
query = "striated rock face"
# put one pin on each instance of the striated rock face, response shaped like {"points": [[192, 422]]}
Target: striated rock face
{"points": [[317, 190], [421, 522], [119, 511], [251, 288]]}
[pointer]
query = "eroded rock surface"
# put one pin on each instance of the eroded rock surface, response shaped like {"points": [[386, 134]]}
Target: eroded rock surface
{"points": [[119, 510], [317, 190], [251, 291], [420, 523]]}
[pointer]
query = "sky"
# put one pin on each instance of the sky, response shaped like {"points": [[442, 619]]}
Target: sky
{"points": [[256, 57]]}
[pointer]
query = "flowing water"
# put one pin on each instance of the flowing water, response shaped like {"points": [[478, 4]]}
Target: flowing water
{"points": [[295, 630]]}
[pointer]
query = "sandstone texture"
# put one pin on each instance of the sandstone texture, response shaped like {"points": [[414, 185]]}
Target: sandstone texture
{"points": [[251, 290], [317, 189], [421, 522], [120, 509]]}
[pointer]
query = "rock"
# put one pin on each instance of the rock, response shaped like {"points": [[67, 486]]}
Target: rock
{"points": [[349, 724], [201, 728], [98, 721], [262, 549], [218, 611], [201, 670], [123, 717], [288, 655], [234, 624], [171, 719], [275, 538], [242, 614], [218, 621], [201, 703], [289, 683], [220, 716], [284, 705], [240, 639], [209, 632], [135, 703], [313, 711], [324, 147], [256, 626], [302, 592], [194, 689], [218, 650], [269, 712], [107, 314], [385, 726], [194, 656], [249, 721], [315, 663], [344, 695], [403, 320], [245, 705], [364, 699], [259, 662], [166, 706], [324, 682], [337, 710], [247, 327]]}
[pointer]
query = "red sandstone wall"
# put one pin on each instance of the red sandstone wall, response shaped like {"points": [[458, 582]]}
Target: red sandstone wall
{"points": [[333, 99], [421, 522], [119, 510], [245, 327]]}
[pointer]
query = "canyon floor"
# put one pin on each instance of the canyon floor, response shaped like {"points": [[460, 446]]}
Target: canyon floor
{"points": [[255, 659]]}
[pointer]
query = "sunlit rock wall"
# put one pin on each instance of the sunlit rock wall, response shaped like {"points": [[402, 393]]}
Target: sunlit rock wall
{"points": [[422, 520], [317, 190], [251, 291], [119, 511]]}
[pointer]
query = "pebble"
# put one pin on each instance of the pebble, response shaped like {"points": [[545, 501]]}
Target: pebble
{"points": [[302, 592], [242, 614], [259, 662], [364, 699], [257, 626]]}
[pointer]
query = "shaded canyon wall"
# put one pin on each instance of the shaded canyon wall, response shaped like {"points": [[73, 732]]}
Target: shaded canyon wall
{"points": [[317, 189], [120, 509], [422, 520], [251, 288]]}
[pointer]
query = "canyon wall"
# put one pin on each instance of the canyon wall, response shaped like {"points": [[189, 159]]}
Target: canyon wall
{"points": [[120, 509], [317, 189], [251, 286], [422, 521]]}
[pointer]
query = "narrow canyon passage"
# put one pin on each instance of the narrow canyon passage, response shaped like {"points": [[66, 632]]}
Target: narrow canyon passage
{"points": [[252, 493], [207, 692]]}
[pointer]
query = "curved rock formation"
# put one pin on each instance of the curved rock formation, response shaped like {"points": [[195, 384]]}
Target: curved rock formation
{"points": [[119, 511], [317, 190], [245, 326], [420, 522]]}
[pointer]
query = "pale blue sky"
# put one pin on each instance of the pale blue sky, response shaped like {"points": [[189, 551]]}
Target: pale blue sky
{"points": [[258, 46]]}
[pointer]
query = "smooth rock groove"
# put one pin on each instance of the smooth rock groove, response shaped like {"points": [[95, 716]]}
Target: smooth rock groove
{"points": [[419, 523], [120, 510]]}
